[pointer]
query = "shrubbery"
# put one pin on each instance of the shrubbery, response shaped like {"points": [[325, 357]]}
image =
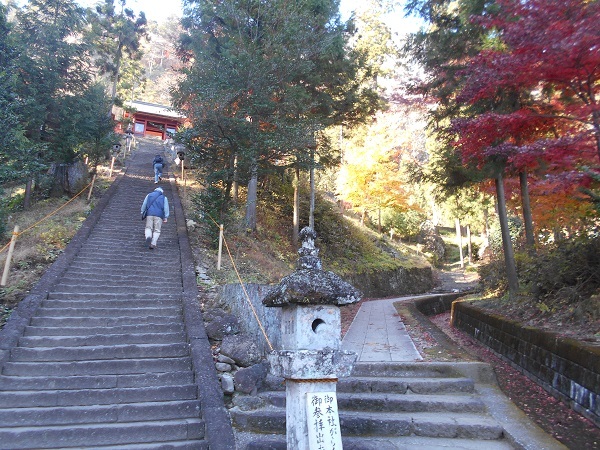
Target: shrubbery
{"points": [[570, 270], [567, 272]]}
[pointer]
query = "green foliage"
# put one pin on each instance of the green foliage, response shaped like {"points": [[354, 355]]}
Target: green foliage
{"points": [[554, 277], [570, 270], [116, 33], [3, 218], [208, 209], [53, 67], [87, 126], [5, 311], [56, 236], [407, 224], [13, 203], [264, 80], [345, 248], [516, 230], [492, 276]]}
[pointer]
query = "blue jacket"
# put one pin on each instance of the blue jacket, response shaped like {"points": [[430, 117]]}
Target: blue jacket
{"points": [[158, 207]]}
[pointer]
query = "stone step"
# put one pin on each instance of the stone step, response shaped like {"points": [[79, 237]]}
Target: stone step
{"points": [[403, 385], [134, 253], [135, 328], [131, 244], [106, 367], [391, 402], [112, 285], [106, 292], [135, 277], [363, 423], [123, 295], [99, 413], [74, 276], [124, 265], [110, 248], [270, 442], [99, 352], [150, 267], [101, 321], [162, 311], [86, 397], [86, 436], [473, 370], [172, 445], [101, 339], [29, 383], [136, 303]]}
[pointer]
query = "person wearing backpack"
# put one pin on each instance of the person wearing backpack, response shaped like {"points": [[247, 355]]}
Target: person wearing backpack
{"points": [[158, 168], [155, 210]]}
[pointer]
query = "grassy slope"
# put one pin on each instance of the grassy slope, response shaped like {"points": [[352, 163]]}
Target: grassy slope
{"points": [[266, 255], [46, 228]]}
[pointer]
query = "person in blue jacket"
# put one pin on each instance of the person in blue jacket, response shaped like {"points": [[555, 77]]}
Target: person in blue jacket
{"points": [[158, 165], [156, 211]]}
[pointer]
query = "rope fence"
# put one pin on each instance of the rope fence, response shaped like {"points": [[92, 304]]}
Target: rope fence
{"points": [[239, 277], [16, 233]]}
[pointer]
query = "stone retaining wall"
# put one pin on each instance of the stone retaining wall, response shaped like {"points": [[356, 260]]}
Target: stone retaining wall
{"points": [[398, 282], [567, 368], [383, 284], [436, 304], [234, 297]]}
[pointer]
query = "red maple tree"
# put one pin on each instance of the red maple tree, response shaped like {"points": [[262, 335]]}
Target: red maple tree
{"points": [[541, 82]]}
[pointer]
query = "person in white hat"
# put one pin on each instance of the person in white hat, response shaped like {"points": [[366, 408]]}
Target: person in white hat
{"points": [[155, 210]]}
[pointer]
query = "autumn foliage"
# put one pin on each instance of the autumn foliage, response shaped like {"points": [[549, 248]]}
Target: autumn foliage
{"points": [[531, 95]]}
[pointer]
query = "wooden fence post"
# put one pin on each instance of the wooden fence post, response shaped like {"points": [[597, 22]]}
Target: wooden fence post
{"points": [[11, 248], [112, 163], [220, 246], [91, 187]]}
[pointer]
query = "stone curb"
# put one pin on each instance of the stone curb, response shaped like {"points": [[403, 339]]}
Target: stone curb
{"points": [[21, 316], [219, 432]]}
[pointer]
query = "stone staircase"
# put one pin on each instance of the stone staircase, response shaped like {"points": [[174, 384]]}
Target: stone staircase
{"points": [[387, 406], [106, 355]]}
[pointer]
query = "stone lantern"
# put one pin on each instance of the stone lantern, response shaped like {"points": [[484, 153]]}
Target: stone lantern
{"points": [[310, 359]]}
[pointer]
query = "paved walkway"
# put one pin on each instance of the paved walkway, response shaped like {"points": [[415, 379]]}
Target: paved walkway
{"points": [[378, 335]]}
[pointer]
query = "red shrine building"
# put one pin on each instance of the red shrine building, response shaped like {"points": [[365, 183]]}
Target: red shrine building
{"points": [[150, 119]]}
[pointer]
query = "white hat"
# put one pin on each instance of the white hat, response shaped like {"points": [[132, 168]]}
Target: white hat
{"points": [[159, 189]]}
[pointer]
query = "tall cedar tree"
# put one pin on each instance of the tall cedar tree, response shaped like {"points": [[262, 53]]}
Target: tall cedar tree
{"points": [[53, 64], [15, 158], [265, 78], [117, 32]]}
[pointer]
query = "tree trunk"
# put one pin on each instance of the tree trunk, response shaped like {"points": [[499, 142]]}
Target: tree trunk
{"points": [[459, 240], [296, 232], [509, 257], [311, 217], [235, 180], [252, 197], [116, 71], [527, 217], [486, 218], [379, 220], [27, 198], [469, 246]]}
